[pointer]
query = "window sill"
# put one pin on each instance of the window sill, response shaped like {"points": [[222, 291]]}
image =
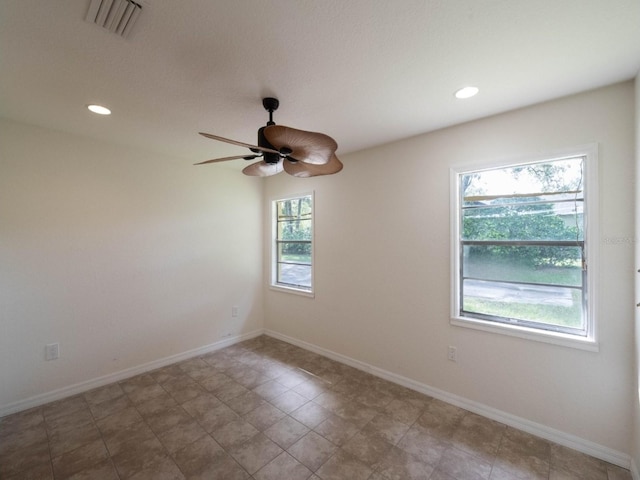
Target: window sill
{"points": [[554, 338], [295, 291]]}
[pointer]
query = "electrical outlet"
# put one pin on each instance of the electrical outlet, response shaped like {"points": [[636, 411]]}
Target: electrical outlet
{"points": [[52, 351], [452, 354], [234, 311]]}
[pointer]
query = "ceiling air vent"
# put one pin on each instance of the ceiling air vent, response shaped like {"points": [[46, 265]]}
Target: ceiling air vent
{"points": [[117, 16]]}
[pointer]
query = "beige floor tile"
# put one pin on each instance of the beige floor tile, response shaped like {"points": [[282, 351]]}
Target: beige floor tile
{"points": [[200, 405], [464, 466], [356, 413], [264, 416], [154, 406], [119, 420], [337, 430], [234, 433], [281, 467], [230, 391], [19, 439], [203, 418], [168, 419], [146, 393], [479, 436], [386, 427], [312, 388], [132, 384], [24, 420], [217, 418], [14, 461], [109, 407], [401, 465], [402, 411], [181, 435], [369, 450], [215, 381], [246, 402], [311, 414], [183, 389], [286, 431], [344, 466], [103, 394], [127, 438], [64, 407], [270, 389], [104, 470], [312, 450], [73, 419], [418, 442], [572, 463], [63, 440], [289, 401], [138, 457], [79, 459], [38, 472], [441, 419], [255, 453], [618, 473], [161, 468]]}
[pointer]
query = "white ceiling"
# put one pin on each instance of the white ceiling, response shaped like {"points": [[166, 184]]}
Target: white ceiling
{"points": [[365, 72]]}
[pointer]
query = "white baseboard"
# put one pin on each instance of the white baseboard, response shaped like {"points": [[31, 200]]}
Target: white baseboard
{"points": [[85, 386], [562, 438], [543, 431]]}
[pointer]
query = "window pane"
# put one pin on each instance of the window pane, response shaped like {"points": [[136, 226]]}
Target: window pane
{"points": [[532, 180], [522, 245], [294, 252], [547, 264], [524, 221], [552, 306], [292, 258], [294, 208], [294, 230], [295, 275]]}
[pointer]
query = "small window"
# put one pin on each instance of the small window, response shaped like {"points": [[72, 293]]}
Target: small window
{"points": [[292, 265], [522, 247]]}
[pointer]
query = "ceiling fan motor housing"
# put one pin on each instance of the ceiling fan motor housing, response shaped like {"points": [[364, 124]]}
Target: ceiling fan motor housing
{"points": [[268, 157]]}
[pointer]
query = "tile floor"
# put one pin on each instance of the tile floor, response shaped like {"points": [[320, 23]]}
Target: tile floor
{"points": [[266, 410]]}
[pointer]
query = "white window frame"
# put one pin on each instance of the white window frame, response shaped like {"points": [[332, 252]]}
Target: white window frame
{"points": [[591, 239], [273, 283]]}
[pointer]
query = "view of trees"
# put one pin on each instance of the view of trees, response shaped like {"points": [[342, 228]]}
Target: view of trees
{"points": [[551, 212], [522, 238], [294, 229]]}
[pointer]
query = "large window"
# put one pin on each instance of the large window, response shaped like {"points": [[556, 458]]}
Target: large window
{"points": [[293, 243], [522, 247]]}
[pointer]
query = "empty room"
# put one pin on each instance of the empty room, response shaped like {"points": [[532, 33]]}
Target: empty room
{"points": [[319, 240]]}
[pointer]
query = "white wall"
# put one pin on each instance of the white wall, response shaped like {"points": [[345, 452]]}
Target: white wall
{"points": [[122, 256], [382, 269], [635, 398]]}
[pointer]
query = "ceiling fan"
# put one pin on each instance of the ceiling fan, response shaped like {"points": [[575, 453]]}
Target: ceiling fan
{"points": [[297, 152]]}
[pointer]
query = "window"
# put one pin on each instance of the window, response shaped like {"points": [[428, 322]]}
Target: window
{"points": [[523, 248], [292, 265]]}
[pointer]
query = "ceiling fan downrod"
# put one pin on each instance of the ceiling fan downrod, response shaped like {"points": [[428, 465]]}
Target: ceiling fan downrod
{"points": [[270, 104]]}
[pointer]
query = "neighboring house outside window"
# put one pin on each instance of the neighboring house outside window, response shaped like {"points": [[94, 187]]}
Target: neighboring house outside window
{"points": [[292, 253], [523, 254]]}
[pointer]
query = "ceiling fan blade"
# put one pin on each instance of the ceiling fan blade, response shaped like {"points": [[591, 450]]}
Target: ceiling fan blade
{"points": [[304, 170], [308, 147], [235, 142], [263, 169], [224, 159]]}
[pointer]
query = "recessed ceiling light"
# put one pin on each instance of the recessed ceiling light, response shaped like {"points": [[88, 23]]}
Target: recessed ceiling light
{"points": [[99, 109], [466, 92]]}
